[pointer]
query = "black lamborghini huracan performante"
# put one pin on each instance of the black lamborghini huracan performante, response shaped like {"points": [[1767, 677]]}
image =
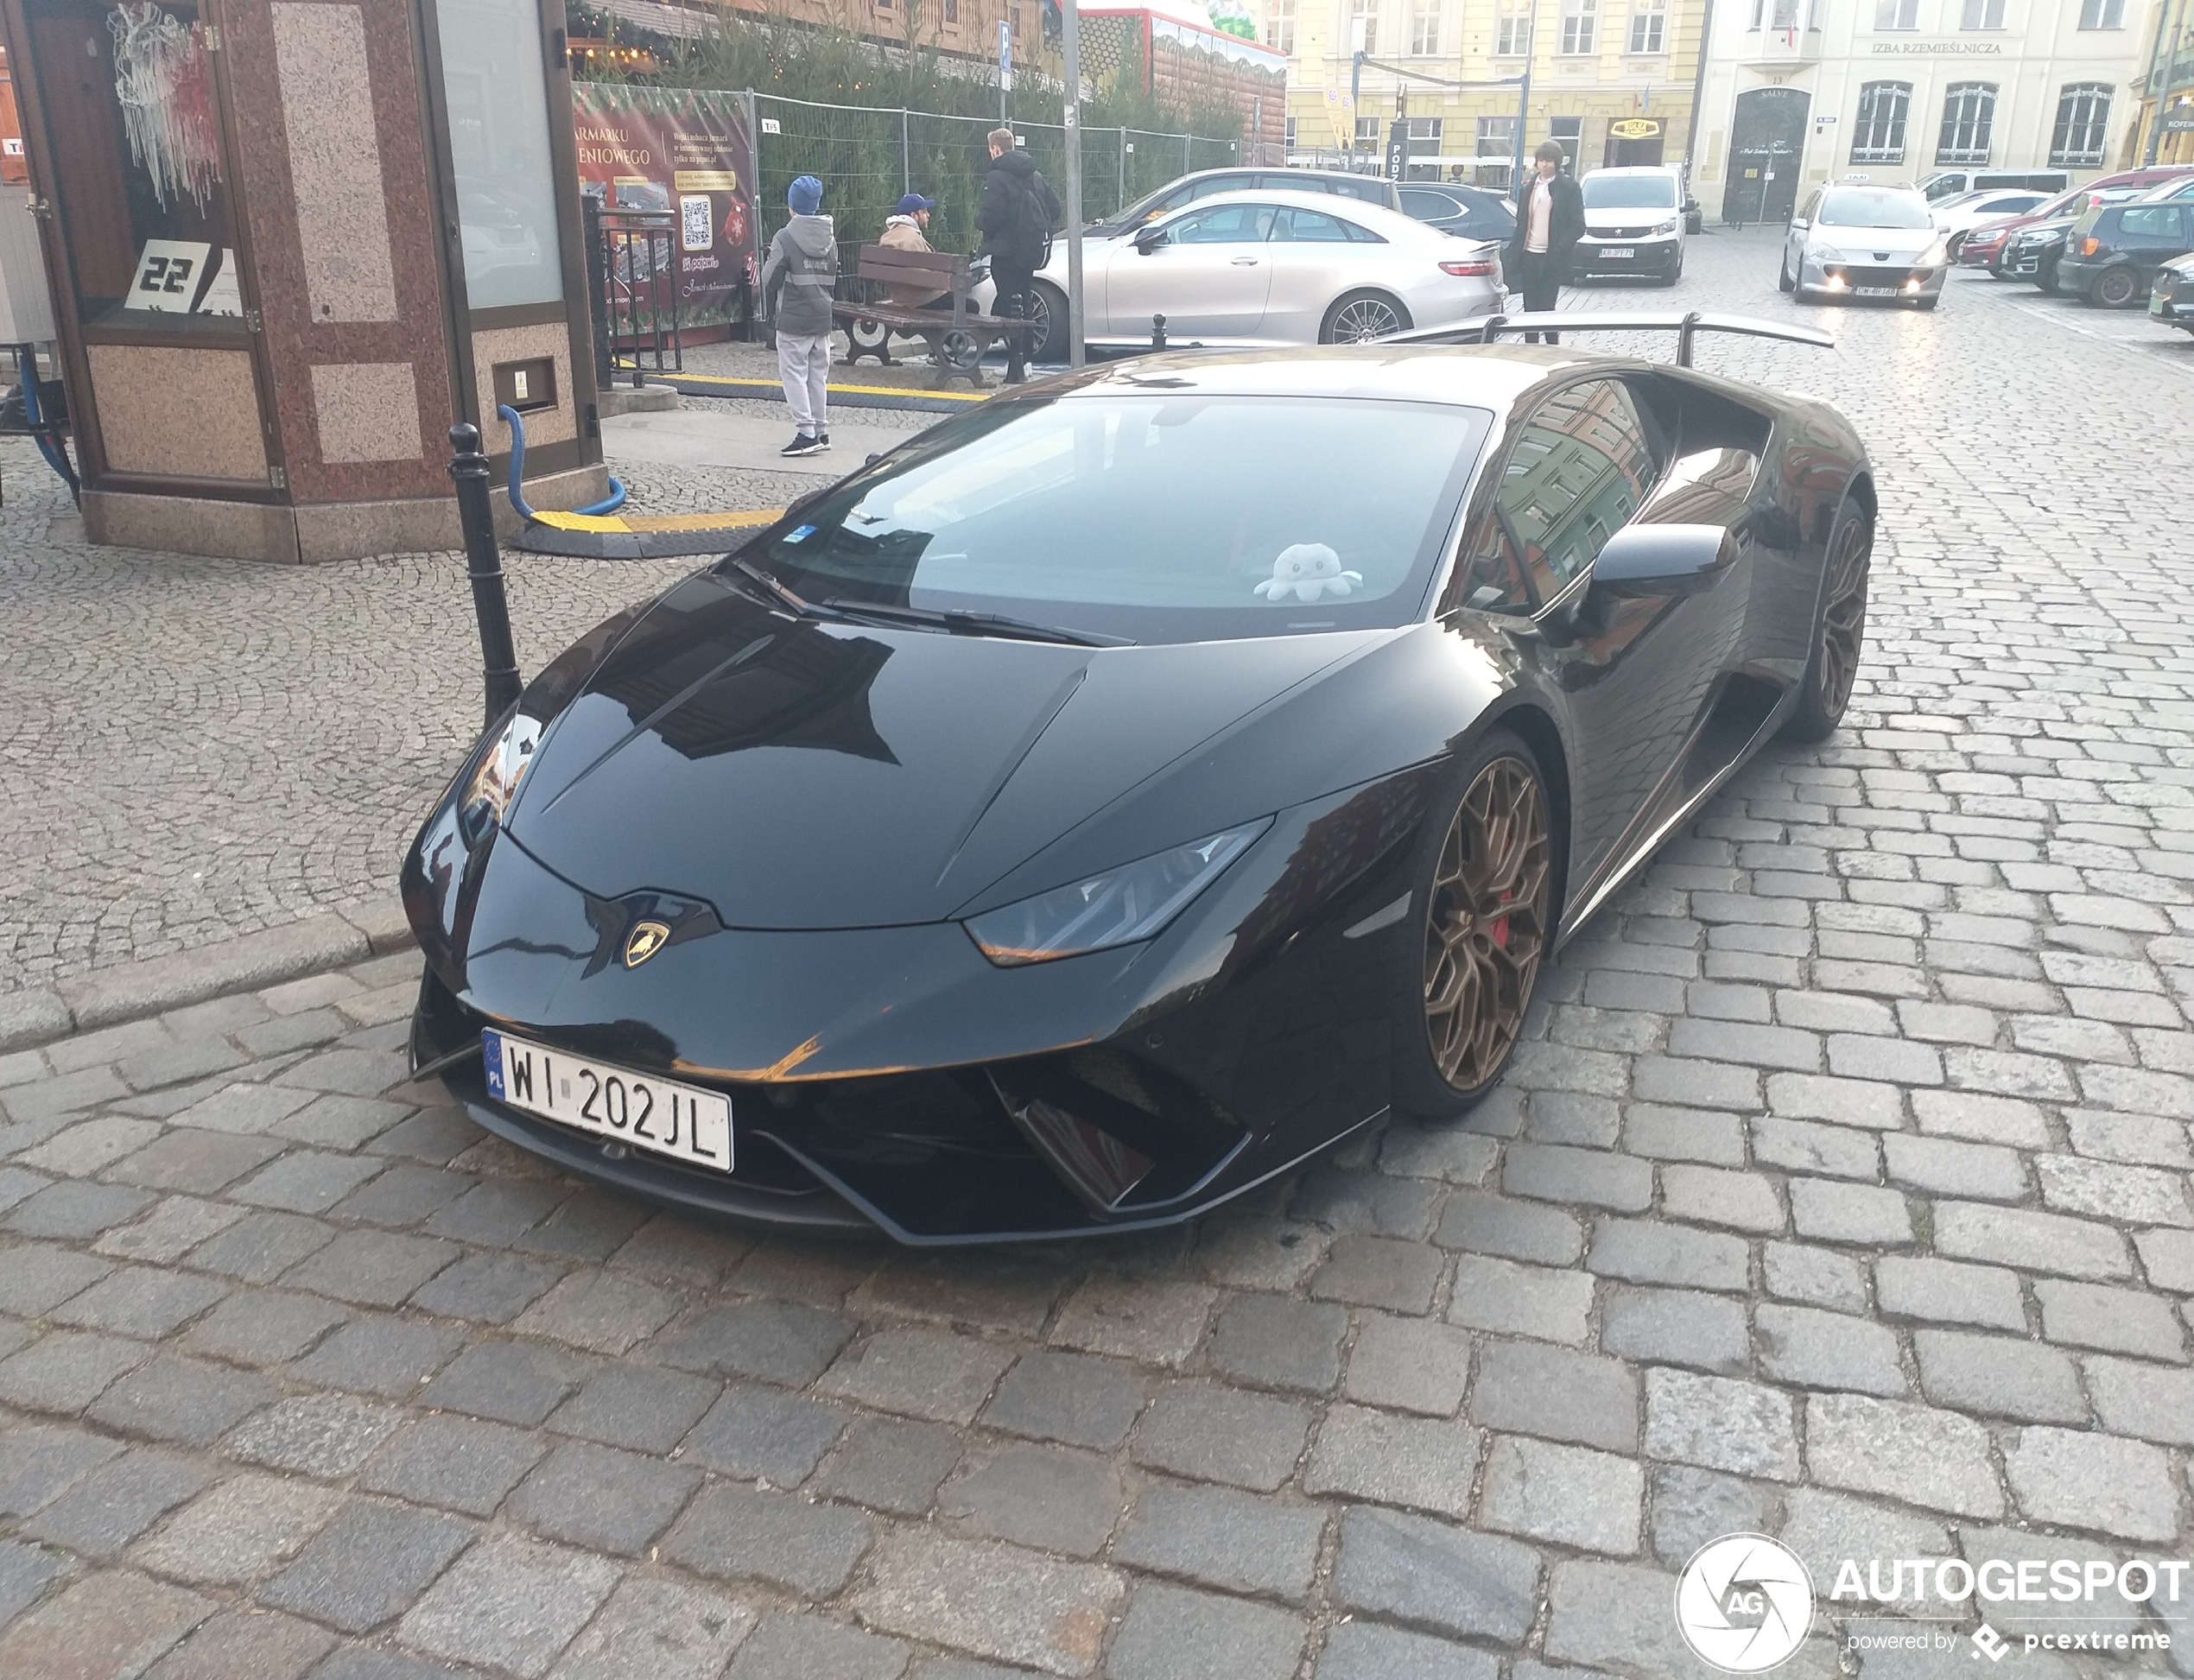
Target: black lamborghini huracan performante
{"points": [[1124, 790]]}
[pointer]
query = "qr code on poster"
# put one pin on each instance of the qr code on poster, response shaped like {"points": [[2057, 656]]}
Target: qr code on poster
{"points": [[700, 224]]}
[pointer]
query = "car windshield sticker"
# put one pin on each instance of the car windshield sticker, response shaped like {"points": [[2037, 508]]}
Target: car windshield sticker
{"points": [[803, 531]]}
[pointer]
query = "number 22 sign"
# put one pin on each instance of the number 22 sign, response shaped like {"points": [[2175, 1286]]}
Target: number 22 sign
{"points": [[169, 273]]}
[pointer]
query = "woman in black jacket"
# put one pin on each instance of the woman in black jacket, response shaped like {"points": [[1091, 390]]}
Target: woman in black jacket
{"points": [[1550, 220]]}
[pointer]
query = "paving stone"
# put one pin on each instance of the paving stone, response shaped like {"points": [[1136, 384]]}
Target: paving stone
{"points": [[1218, 1434], [1828, 1211], [39, 1462], [2168, 1258], [2030, 1241], [685, 1634], [1433, 1575], [590, 1225], [1151, 1322], [1242, 1247], [509, 1604], [1940, 1166], [601, 1498], [2102, 1189], [239, 1531], [75, 1210], [497, 1212], [362, 1662], [991, 1600], [1425, 1150], [260, 1247], [1570, 1495], [79, 1151], [437, 1136], [1518, 1230], [243, 1108], [1649, 1252], [1535, 1390], [1066, 1396], [1946, 1291], [735, 1534], [1553, 1173], [1422, 1463], [776, 1342], [927, 1373], [1915, 1453], [108, 1508], [1366, 1650], [1999, 1377], [787, 1647], [1171, 1634], [36, 1277], [1819, 1276], [316, 1435], [1801, 1146], [1824, 1528], [187, 1159], [486, 1289], [1985, 1119], [763, 1433], [1271, 1341], [140, 1300], [988, 1290], [174, 1226], [1375, 1203], [605, 1312], [637, 1406], [2093, 1481], [1053, 1498], [1808, 1349], [105, 1626], [510, 1381], [235, 1644], [891, 1464], [1719, 1424], [1379, 1271], [1690, 1506], [306, 1181], [1615, 1613], [366, 1567], [681, 1250], [1408, 1365], [457, 1462], [390, 1357], [1224, 1539], [1503, 1296], [181, 1400], [1709, 1195], [64, 1372], [2117, 1321], [2152, 1402]]}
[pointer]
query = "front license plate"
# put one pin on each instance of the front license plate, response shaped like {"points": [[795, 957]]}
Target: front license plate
{"points": [[1618, 250], [1874, 291], [681, 1121]]}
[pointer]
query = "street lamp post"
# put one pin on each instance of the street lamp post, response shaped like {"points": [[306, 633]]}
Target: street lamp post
{"points": [[1070, 46]]}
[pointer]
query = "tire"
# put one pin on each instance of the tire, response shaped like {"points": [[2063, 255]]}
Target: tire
{"points": [[1048, 308], [1464, 978], [1783, 281], [1839, 629], [1359, 317], [2116, 288], [2045, 277], [1674, 274], [1953, 245]]}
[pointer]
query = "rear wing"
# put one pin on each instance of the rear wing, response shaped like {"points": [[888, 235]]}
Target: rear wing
{"points": [[1488, 329]]}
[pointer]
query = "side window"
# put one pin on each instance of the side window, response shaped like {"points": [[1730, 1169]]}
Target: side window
{"points": [[2149, 221], [1227, 225], [1293, 180], [1212, 186], [1359, 234], [1811, 205], [1372, 189], [1575, 473], [1311, 227]]}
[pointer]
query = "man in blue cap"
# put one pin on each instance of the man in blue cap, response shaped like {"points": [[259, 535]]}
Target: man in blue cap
{"points": [[907, 229], [798, 280]]}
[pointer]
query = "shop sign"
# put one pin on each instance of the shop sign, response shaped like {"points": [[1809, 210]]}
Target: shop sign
{"points": [[1635, 128], [685, 150]]}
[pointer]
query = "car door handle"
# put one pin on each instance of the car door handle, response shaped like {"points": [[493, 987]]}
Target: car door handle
{"points": [[1244, 262]]}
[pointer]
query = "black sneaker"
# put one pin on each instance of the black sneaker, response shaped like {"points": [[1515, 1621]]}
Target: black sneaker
{"points": [[801, 444]]}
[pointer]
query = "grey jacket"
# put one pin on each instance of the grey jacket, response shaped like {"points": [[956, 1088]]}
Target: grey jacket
{"points": [[802, 265]]}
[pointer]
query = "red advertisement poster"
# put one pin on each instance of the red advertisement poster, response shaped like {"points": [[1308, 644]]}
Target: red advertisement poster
{"points": [[685, 151]]}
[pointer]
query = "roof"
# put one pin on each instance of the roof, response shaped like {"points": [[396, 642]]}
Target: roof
{"points": [[1470, 375], [1379, 218]]}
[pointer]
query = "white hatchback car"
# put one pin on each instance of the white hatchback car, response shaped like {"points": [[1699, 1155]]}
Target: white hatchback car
{"points": [[1634, 224], [1271, 268], [1873, 241]]}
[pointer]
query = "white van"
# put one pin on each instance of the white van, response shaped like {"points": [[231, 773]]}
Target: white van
{"points": [[1949, 183], [1634, 224]]}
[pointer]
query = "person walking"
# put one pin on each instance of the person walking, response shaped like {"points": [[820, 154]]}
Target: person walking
{"points": [[798, 280], [1016, 216], [1550, 220]]}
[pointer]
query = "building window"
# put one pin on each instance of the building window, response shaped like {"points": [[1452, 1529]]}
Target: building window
{"points": [[1287, 128], [1496, 150], [1983, 14], [1580, 24], [1279, 26], [1896, 14], [1424, 28], [1878, 135], [1567, 132], [1427, 135], [1364, 17], [2082, 114], [1968, 112], [1368, 133], [2103, 13], [951, 11], [1513, 29], [1649, 26]]}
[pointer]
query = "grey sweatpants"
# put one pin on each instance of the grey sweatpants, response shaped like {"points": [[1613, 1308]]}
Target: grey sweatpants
{"points": [[803, 364]]}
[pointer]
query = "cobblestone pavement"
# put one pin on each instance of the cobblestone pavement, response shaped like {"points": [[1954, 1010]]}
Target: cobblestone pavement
{"points": [[1842, 1192]]}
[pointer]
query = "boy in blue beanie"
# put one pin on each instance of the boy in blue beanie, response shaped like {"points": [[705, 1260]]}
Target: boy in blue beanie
{"points": [[798, 280]]}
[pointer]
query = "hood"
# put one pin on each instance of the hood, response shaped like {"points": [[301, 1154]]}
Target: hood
{"points": [[901, 221], [1596, 220], [1018, 164], [1859, 244], [812, 234], [806, 774]]}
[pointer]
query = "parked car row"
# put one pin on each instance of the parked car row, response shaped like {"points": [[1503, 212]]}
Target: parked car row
{"points": [[2106, 243]]}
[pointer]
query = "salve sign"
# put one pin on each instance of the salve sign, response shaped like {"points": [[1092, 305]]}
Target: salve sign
{"points": [[686, 151]]}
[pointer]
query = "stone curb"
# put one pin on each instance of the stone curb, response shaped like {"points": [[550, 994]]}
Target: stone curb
{"points": [[130, 990]]}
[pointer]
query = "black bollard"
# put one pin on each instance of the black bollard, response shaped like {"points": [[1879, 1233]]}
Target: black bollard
{"points": [[483, 557], [1157, 331]]}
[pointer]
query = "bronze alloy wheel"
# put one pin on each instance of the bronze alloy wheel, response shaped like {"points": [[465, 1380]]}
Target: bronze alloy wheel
{"points": [[1844, 615], [1485, 928]]}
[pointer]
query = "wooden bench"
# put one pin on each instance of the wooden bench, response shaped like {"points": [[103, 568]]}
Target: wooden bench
{"points": [[958, 340]]}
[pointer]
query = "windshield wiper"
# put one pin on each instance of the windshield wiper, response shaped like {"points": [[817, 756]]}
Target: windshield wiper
{"points": [[974, 624], [774, 592]]}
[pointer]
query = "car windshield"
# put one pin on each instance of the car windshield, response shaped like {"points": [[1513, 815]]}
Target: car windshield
{"points": [[1854, 206], [1169, 515], [1630, 192]]}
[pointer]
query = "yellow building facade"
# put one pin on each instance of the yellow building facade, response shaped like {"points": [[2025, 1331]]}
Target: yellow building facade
{"points": [[1612, 80]]}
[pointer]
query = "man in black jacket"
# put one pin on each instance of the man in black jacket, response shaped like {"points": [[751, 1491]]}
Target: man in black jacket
{"points": [[1017, 212], [1550, 220]]}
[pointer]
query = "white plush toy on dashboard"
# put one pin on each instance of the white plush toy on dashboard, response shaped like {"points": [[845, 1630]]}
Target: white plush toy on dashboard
{"points": [[1307, 570]]}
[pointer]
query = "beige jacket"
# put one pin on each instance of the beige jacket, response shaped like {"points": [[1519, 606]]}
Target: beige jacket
{"points": [[901, 234]]}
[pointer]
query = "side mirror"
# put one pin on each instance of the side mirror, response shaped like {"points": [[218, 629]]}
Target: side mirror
{"points": [[1150, 239], [1800, 223], [1663, 559]]}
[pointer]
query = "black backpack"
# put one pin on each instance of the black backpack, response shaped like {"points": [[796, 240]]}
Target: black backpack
{"points": [[1041, 214]]}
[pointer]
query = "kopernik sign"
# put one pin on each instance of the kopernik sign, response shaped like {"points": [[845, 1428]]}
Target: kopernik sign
{"points": [[685, 150]]}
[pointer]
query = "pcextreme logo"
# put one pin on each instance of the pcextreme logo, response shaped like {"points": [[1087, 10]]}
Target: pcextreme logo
{"points": [[1744, 1603]]}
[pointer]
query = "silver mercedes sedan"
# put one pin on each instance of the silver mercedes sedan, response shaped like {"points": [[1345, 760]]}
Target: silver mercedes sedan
{"points": [[1857, 241], [1262, 269]]}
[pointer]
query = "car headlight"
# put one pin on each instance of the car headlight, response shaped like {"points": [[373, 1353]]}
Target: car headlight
{"points": [[495, 783], [1824, 254], [1668, 226], [1119, 907], [1935, 255]]}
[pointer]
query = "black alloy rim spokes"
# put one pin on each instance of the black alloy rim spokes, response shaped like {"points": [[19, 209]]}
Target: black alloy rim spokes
{"points": [[1485, 928], [1843, 621]]}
